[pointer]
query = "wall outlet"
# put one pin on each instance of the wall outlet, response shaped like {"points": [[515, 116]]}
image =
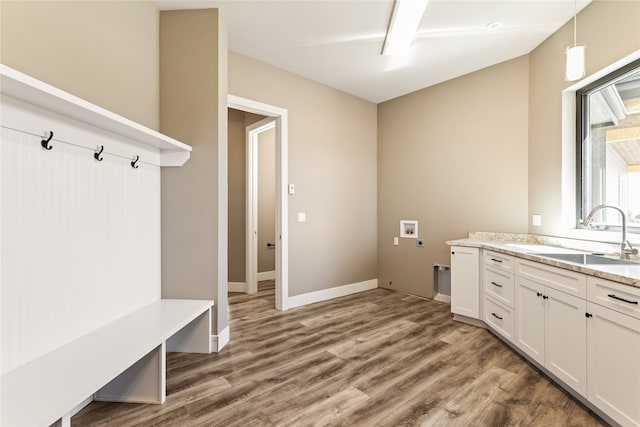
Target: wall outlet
{"points": [[292, 189], [302, 217], [536, 220], [396, 241], [420, 243]]}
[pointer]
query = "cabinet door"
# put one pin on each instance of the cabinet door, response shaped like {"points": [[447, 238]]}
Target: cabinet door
{"points": [[465, 281], [613, 355], [530, 318], [565, 327]]}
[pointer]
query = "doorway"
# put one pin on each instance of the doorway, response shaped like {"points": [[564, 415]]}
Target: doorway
{"points": [[276, 119], [260, 221]]}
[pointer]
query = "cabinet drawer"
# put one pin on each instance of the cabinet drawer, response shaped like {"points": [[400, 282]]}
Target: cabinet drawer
{"points": [[499, 318], [562, 280], [499, 285], [622, 298], [498, 261]]}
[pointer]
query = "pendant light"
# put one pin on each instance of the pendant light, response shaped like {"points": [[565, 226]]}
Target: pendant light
{"points": [[575, 67]]}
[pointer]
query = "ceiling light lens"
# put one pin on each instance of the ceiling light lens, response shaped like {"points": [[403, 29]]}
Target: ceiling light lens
{"points": [[405, 21], [494, 26], [575, 68]]}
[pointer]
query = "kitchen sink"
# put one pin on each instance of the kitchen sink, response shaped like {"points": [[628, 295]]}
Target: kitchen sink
{"points": [[585, 259]]}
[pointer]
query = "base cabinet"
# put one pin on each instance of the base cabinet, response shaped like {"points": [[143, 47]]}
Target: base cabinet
{"points": [[584, 330], [500, 318], [465, 281], [613, 355], [530, 319], [551, 329]]}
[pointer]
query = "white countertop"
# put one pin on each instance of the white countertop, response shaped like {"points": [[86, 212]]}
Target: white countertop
{"points": [[628, 274]]}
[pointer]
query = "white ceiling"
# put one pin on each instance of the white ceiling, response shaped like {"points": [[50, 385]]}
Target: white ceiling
{"points": [[338, 43]]}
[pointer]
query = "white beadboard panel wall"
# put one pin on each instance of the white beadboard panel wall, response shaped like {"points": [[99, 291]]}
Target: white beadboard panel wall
{"points": [[79, 239]]}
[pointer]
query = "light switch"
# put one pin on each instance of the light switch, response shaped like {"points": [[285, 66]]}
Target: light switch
{"points": [[536, 220], [292, 189], [396, 241], [302, 217]]}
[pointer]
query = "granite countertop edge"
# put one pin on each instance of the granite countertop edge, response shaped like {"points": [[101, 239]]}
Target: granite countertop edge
{"points": [[625, 274]]}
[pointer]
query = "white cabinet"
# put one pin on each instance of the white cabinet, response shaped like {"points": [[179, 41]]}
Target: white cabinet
{"points": [[613, 351], [499, 285], [465, 281], [566, 339], [530, 319], [583, 330], [500, 318], [498, 288], [498, 261], [551, 329]]}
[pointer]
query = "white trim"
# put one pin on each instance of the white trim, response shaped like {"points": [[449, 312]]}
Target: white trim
{"points": [[567, 227], [442, 298], [327, 294], [238, 287], [219, 341], [266, 275], [282, 202], [251, 212]]}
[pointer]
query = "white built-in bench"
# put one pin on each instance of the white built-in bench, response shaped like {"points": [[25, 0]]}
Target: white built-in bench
{"points": [[123, 361]]}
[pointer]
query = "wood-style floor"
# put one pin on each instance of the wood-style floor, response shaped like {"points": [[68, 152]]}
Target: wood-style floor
{"points": [[377, 358]]}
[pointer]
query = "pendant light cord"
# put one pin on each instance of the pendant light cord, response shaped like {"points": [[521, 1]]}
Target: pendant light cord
{"points": [[575, 22]]}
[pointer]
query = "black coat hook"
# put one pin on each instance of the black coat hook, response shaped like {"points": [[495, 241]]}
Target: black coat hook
{"points": [[133, 163], [45, 142], [96, 155]]}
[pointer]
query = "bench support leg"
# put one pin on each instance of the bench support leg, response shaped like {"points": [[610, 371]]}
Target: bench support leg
{"points": [[143, 382], [193, 338]]}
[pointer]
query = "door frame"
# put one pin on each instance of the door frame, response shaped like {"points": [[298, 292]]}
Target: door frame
{"points": [[282, 230], [251, 222]]}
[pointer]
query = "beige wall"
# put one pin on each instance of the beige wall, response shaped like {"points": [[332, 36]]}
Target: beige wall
{"points": [[238, 122], [453, 157], [611, 31], [105, 52], [266, 200], [332, 162], [193, 109]]}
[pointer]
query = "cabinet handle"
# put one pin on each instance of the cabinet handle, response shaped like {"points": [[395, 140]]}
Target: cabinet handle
{"points": [[538, 294], [587, 315], [495, 284], [496, 316], [496, 260], [453, 253], [545, 297], [622, 299]]}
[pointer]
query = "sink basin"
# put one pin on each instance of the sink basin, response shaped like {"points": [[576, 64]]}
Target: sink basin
{"points": [[585, 259]]}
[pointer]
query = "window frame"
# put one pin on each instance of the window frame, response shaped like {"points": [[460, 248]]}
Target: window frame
{"points": [[582, 112]]}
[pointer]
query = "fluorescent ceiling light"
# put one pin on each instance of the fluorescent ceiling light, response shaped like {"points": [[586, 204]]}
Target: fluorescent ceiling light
{"points": [[403, 28]]}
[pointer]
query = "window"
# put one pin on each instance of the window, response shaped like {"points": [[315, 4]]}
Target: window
{"points": [[608, 148]]}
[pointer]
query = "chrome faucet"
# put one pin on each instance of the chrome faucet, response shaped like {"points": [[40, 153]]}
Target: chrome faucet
{"points": [[625, 247]]}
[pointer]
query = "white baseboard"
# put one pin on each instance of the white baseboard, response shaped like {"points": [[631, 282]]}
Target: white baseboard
{"points": [[469, 321], [327, 294], [443, 298], [266, 275], [237, 287], [219, 341]]}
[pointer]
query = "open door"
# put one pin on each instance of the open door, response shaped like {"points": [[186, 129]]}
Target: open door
{"points": [[252, 220]]}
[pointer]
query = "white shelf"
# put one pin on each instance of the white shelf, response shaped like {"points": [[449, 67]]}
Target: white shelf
{"points": [[44, 390], [18, 85]]}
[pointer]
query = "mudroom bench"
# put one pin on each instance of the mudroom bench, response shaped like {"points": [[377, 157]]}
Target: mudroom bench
{"points": [[123, 361]]}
